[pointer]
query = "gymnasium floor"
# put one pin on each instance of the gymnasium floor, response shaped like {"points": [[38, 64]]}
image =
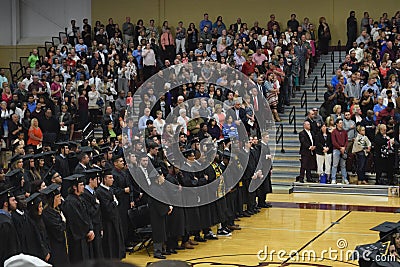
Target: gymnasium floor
{"points": [[322, 228]]}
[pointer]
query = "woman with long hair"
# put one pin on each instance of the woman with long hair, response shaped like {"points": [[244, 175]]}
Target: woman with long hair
{"points": [[384, 155], [35, 135], [324, 36], [324, 150], [272, 86]]}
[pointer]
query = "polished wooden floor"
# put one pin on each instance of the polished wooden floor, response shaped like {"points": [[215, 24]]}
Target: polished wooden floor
{"points": [[310, 223]]}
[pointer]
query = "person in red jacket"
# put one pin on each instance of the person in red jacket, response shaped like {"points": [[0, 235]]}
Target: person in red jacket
{"points": [[385, 114], [339, 141], [249, 66]]}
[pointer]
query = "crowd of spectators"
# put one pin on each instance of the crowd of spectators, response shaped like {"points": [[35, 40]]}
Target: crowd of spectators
{"points": [[357, 127]]}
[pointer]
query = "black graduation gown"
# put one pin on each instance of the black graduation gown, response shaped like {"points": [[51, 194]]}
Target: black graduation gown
{"points": [[9, 236], [40, 228], [113, 239], [121, 181], [176, 220], [204, 210], [78, 226], [28, 235], [62, 166], [93, 207], [158, 215], [266, 168], [56, 231]]}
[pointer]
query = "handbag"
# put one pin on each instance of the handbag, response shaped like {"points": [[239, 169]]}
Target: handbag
{"points": [[100, 102]]}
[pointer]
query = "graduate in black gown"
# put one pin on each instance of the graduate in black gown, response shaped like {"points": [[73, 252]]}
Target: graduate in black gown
{"points": [[93, 207], [35, 210], [56, 227], [28, 236], [113, 239], [8, 234], [80, 232]]}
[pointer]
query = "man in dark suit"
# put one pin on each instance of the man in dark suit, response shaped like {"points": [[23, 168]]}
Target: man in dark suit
{"points": [[307, 152], [83, 164], [313, 123], [61, 165], [236, 27], [239, 116], [255, 43], [301, 51]]}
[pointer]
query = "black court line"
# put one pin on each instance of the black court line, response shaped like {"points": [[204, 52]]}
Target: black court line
{"points": [[315, 238]]}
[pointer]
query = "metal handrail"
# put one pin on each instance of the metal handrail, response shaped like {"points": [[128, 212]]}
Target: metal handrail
{"points": [[323, 74], [292, 119], [333, 61], [279, 137], [339, 47], [314, 87], [304, 103]]}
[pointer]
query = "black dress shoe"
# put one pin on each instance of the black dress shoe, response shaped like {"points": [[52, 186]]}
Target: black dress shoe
{"points": [[268, 205], [166, 252], [299, 179], [241, 215], [159, 256], [199, 239], [180, 248], [246, 214], [172, 251]]}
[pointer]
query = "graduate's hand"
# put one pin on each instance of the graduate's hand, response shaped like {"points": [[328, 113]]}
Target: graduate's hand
{"points": [[90, 235], [132, 204], [47, 257], [101, 233]]}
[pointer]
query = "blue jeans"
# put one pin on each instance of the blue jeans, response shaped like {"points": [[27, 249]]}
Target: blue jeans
{"points": [[361, 164], [338, 160]]}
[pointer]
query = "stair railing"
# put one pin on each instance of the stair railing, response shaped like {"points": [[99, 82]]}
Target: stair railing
{"points": [[314, 87], [279, 137], [323, 74], [303, 102], [292, 119], [333, 61], [339, 47]]}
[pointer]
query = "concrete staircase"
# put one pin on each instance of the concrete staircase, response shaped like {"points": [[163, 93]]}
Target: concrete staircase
{"points": [[286, 165]]}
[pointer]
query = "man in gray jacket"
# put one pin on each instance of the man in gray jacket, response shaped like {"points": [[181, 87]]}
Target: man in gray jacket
{"points": [[350, 127]]}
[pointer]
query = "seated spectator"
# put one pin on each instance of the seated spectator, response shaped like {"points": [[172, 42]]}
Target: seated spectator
{"points": [[385, 115]]}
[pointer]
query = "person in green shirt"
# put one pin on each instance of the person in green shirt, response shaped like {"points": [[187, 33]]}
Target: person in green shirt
{"points": [[33, 58]]}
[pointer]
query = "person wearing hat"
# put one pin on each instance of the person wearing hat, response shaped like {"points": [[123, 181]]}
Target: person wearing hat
{"points": [[62, 165], [15, 178], [41, 247], [122, 189], [265, 162], [55, 223], [93, 207], [113, 239], [80, 232], [8, 232]]}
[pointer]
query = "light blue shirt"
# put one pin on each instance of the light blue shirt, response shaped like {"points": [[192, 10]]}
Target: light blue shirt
{"points": [[142, 122]]}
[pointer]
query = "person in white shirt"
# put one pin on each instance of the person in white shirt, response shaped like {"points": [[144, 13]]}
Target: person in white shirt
{"points": [[149, 61], [159, 123], [123, 78]]}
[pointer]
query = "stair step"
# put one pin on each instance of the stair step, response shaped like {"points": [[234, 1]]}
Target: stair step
{"points": [[281, 189], [341, 189]]}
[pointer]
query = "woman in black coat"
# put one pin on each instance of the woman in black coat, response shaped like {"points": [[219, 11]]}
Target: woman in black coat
{"points": [[384, 155], [324, 36], [55, 224], [324, 149]]}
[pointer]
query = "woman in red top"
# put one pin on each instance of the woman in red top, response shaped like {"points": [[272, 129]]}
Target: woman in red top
{"points": [[83, 108], [56, 88], [6, 96], [35, 135]]}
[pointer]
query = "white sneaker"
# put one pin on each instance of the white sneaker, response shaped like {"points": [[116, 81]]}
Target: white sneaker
{"points": [[333, 182], [346, 181]]}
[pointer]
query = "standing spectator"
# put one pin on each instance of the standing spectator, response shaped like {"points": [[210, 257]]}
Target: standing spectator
{"points": [[350, 126], [193, 37], [324, 36], [167, 44], [33, 58], [180, 38], [324, 149], [293, 24], [384, 155], [361, 147], [35, 135], [65, 123], [14, 127], [3, 78], [50, 127], [351, 30], [93, 96], [83, 109], [128, 31], [149, 62], [301, 51], [123, 78], [205, 22], [339, 141], [307, 152]]}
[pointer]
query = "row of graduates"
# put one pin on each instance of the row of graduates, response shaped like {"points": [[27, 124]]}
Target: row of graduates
{"points": [[83, 226]]}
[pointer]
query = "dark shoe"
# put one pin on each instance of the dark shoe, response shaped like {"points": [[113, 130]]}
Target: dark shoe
{"points": [[234, 227], [172, 251], [262, 205], [210, 236], [246, 214], [199, 239], [166, 252], [159, 256], [268, 205], [299, 179], [237, 219], [181, 247], [310, 181], [240, 215]]}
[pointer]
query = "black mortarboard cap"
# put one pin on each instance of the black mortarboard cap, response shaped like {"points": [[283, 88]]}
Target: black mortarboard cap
{"points": [[86, 149], [72, 144], [39, 156], [141, 155], [51, 190], [32, 199], [15, 158], [28, 157], [117, 157], [75, 179], [62, 144], [107, 144], [386, 228], [13, 173], [97, 158], [106, 171], [104, 149], [5, 194], [92, 173], [187, 152]]}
